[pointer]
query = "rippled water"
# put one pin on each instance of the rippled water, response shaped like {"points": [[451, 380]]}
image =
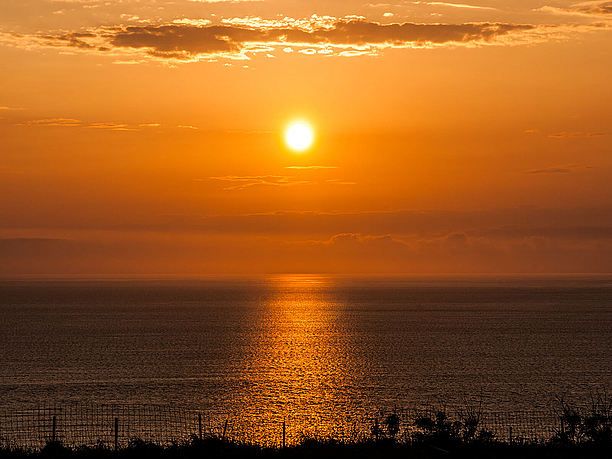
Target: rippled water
{"points": [[317, 347]]}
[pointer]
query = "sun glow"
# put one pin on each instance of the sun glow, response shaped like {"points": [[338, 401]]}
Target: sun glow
{"points": [[299, 136]]}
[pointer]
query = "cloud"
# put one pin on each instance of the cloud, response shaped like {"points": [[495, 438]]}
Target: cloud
{"points": [[72, 39], [193, 22], [573, 135], [310, 167], [502, 240], [585, 9], [456, 5], [226, 1], [63, 122], [406, 223], [244, 182], [248, 181], [339, 182], [452, 252], [185, 41], [348, 239], [346, 252], [559, 169], [74, 123], [237, 38], [110, 126]]}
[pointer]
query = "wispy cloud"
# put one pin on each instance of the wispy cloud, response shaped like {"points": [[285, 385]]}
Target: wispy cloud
{"points": [[311, 167], [455, 5], [340, 182], [110, 126], [248, 181], [226, 1], [242, 182], [573, 135], [566, 169], [585, 9], [63, 122], [75, 123]]}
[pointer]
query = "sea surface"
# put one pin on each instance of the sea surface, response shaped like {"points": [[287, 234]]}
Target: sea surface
{"points": [[309, 347]]}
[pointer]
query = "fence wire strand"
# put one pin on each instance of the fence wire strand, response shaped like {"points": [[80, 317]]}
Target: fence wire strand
{"points": [[116, 425]]}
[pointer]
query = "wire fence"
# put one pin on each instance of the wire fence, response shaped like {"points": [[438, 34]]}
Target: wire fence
{"points": [[114, 426], [513, 426]]}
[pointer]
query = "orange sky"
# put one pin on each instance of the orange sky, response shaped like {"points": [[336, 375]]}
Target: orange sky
{"points": [[145, 137]]}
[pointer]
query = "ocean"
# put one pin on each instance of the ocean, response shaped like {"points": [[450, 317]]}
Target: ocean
{"points": [[322, 349]]}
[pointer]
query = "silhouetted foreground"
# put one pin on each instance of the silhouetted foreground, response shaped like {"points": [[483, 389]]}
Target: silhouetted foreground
{"points": [[581, 433], [213, 448]]}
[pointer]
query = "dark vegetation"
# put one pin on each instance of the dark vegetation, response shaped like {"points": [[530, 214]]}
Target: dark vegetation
{"points": [[584, 432]]}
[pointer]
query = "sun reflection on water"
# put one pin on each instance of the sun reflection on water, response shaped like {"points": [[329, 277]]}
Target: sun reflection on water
{"points": [[300, 368]]}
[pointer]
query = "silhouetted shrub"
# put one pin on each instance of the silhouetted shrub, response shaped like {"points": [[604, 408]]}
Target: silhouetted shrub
{"points": [[592, 424], [392, 424], [439, 428]]}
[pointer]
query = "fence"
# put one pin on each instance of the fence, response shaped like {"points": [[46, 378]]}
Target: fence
{"points": [[513, 426], [91, 425], [114, 426]]}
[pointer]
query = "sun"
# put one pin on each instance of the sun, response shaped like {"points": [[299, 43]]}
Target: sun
{"points": [[299, 136]]}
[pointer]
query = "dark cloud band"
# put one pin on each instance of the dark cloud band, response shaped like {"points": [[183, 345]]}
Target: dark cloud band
{"points": [[234, 38], [179, 39]]}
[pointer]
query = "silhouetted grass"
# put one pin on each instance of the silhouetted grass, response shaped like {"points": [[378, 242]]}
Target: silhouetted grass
{"points": [[213, 448]]}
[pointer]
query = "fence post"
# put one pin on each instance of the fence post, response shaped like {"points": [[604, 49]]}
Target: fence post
{"points": [[53, 430], [200, 425], [510, 429], [284, 432], [562, 427], [376, 428], [116, 434], [224, 430]]}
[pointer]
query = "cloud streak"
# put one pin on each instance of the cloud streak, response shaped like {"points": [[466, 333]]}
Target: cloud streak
{"points": [[559, 169], [311, 167], [573, 135], [455, 5], [238, 182], [584, 9], [108, 125], [244, 182]]}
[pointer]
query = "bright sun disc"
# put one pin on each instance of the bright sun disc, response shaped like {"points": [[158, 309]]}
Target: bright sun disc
{"points": [[299, 136]]}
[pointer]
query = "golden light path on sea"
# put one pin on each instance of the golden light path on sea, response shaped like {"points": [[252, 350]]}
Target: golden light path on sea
{"points": [[300, 365]]}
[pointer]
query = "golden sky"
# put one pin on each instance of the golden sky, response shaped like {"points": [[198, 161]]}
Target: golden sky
{"points": [[142, 137]]}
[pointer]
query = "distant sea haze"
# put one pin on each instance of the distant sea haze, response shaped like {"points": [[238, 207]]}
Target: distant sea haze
{"points": [[306, 345]]}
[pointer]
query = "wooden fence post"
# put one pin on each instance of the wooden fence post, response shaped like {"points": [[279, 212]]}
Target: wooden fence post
{"points": [[224, 430], [200, 425], [510, 429], [376, 428], [284, 431], [116, 434], [54, 428]]}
